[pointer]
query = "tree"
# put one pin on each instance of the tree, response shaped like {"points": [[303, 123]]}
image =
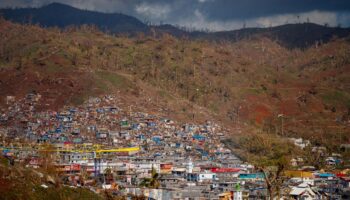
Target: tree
{"points": [[273, 176], [84, 175], [152, 182], [47, 156], [314, 158], [271, 155], [108, 175]]}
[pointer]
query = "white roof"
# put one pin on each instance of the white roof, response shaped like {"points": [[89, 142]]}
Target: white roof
{"points": [[301, 189], [179, 169]]}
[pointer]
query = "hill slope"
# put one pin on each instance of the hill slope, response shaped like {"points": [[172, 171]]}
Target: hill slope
{"points": [[243, 84], [290, 35]]}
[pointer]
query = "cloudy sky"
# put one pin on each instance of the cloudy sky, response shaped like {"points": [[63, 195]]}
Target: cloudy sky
{"points": [[215, 15]]}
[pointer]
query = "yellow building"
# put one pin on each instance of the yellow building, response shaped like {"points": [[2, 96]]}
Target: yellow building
{"points": [[298, 174]]}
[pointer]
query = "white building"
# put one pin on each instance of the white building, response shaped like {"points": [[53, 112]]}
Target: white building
{"points": [[303, 192]]}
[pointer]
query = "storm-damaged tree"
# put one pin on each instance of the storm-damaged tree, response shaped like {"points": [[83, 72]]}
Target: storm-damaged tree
{"points": [[271, 155], [47, 155], [152, 182], [109, 177], [273, 176], [315, 158]]}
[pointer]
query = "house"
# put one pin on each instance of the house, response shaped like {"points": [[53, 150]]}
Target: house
{"points": [[166, 168], [170, 180], [253, 176], [10, 99], [198, 137], [124, 123], [225, 170], [296, 161], [333, 161], [345, 182], [234, 195], [201, 177], [325, 175], [206, 177], [296, 180], [304, 192], [179, 172], [298, 174], [319, 149], [62, 138], [299, 142], [227, 186], [102, 133], [78, 140]]}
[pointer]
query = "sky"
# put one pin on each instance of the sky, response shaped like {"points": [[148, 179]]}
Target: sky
{"points": [[215, 15]]}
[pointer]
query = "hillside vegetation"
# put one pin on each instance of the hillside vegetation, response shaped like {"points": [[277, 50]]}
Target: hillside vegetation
{"points": [[18, 182], [245, 84]]}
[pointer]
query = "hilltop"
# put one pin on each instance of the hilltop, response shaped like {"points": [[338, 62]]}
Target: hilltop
{"points": [[61, 15], [245, 84], [302, 35]]}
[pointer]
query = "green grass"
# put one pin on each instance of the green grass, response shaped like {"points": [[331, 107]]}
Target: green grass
{"points": [[117, 81], [51, 67], [337, 97], [214, 107], [100, 84]]}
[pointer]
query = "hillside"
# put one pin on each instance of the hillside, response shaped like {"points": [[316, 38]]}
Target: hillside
{"points": [[291, 36], [19, 182], [245, 84]]}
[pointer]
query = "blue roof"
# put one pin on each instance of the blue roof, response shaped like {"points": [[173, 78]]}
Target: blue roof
{"points": [[157, 139], [45, 137], [198, 137], [151, 124], [325, 175], [100, 110], [77, 140], [250, 176], [6, 150]]}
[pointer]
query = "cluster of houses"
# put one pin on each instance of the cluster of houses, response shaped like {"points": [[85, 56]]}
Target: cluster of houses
{"points": [[103, 144]]}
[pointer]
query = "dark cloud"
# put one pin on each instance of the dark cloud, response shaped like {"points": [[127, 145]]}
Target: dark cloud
{"points": [[214, 14], [246, 9]]}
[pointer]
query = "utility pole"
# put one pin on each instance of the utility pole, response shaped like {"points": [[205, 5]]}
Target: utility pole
{"points": [[239, 107], [281, 116], [194, 99]]}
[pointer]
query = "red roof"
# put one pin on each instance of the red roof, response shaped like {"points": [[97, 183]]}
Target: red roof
{"points": [[225, 170], [340, 175], [67, 143]]}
